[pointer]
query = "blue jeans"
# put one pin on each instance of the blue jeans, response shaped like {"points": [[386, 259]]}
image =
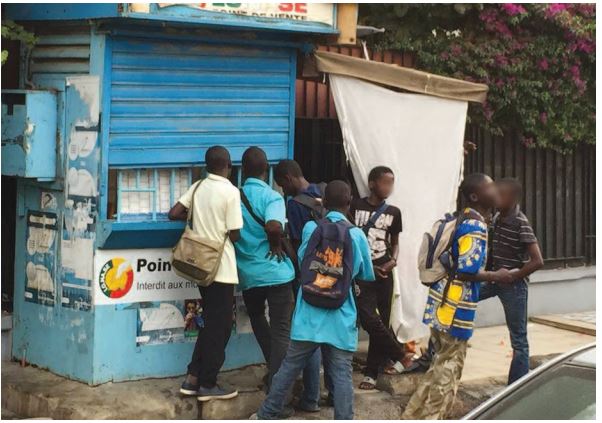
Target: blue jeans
{"points": [[514, 300], [337, 366], [311, 381]]}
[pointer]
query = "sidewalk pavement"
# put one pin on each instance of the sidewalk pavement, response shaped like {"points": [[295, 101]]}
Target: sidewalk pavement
{"points": [[32, 392]]}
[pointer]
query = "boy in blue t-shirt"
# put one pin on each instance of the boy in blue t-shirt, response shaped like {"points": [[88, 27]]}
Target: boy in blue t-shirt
{"points": [[334, 331], [265, 273]]}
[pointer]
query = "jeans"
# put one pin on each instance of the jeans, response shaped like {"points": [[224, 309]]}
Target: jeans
{"points": [[311, 372], [514, 300], [337, 365], [374, 309], [273, 336], [210, 348]]}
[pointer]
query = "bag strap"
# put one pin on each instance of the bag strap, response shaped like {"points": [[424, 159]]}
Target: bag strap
{"points": [[451, 273], [247, 204], [306, 200], [191, 208], [372, 221], [189, 214]]}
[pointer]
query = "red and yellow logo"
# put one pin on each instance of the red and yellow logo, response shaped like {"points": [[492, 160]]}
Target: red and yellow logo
{"points": [[116, 278]]}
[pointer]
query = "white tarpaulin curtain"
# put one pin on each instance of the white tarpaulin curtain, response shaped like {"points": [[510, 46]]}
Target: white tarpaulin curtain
{"points": [[420, 137]]}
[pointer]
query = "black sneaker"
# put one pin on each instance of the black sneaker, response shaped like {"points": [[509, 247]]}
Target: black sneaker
{"points": [[189, 389], [206, 394]]}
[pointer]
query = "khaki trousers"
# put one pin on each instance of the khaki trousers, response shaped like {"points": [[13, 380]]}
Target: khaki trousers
{"points": [[435, 394]]}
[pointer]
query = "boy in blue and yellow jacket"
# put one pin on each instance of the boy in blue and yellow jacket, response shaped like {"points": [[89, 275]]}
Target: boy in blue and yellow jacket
{"points": [[451, 305]]}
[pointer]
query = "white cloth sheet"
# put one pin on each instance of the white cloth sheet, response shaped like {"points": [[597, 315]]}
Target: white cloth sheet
{"points": [[420, 137]]}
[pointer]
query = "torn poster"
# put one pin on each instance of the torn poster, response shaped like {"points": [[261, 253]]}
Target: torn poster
{"points": [[40, 257]]}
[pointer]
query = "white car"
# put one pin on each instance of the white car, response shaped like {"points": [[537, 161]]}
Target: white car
{"points": [[562, 389]]}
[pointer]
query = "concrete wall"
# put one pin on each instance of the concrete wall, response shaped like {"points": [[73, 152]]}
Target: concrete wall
{"points": [[550, 292]]}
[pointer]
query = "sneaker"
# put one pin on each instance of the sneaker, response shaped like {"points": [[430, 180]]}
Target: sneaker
{"points": [[206, 394], [189, 389], [286, 413], [303, 406]]}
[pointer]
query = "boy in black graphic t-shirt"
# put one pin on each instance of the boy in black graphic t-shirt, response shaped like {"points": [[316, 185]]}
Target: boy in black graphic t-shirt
{"points": [[382, 224]]}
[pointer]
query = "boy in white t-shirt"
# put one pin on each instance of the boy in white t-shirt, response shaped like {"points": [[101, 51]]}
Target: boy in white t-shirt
{"points": [[216, 211]]}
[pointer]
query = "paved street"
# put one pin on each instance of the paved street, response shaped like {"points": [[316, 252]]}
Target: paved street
{"points": [[37, 393]]}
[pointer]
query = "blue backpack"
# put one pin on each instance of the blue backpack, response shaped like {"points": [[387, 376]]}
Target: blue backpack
{"points": [[326, 268]]}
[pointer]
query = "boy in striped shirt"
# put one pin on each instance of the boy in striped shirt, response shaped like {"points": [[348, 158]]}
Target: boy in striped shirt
{"points": [[513, 246]]}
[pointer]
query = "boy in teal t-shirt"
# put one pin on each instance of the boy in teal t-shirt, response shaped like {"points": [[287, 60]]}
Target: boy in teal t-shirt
{"points": [[334, 331], [265, 273]]}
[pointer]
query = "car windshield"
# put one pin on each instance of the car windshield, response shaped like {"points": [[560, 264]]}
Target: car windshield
{"points": [[564, 393]]}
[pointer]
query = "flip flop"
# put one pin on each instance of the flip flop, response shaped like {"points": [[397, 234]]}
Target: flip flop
{"points": [[398, 368], [367, 384]]}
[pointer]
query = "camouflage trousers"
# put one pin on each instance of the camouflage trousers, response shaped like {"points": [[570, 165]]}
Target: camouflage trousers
{"points": [[435, 394]]}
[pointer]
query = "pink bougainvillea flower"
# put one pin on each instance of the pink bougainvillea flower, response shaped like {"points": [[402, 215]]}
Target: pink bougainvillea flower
{"points": [[575, 71], [528, 141], [543, 117], [513, 9], [555, 8], [501, 60], [543, 64]]}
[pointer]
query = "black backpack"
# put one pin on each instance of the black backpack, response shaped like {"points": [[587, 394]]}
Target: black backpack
{"points": [[317, 210], [326, 268]]}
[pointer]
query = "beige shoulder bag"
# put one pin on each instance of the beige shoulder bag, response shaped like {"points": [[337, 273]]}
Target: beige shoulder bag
{"points": [[194, 257]]}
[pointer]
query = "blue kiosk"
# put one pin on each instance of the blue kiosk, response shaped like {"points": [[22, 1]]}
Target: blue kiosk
{"points": [[118, 104]]}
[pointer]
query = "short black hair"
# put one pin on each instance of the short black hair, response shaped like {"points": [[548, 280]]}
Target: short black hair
{"points": [[217, 158], [337, 194], [254, 162], [288, 167], [471, 183], [379, 171], [517, 188]]}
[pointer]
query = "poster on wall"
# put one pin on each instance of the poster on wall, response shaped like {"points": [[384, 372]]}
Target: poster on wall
{"points": [[77, 244], [77, 253], [42, 229], [169, 307]]}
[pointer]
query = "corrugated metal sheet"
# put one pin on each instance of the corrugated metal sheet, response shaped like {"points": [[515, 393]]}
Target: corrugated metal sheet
{"points": [[314, 99], [59, 53], [170, 100]]}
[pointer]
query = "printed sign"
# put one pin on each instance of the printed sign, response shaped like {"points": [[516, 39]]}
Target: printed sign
{"points": [[308, 12], [42, 228], [134, 276]]}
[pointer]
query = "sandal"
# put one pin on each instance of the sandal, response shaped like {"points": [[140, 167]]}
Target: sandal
{"points": [[367, 384], [399, 368]]}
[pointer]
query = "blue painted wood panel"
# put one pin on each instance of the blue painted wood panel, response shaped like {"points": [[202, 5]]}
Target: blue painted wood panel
{"points": [[173, 99]]}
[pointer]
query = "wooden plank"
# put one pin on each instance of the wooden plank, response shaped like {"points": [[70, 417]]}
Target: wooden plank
{"points": [[347, 22], [540, 206], [550, 215], [487, 154], [299, 98], [322, 101], [529, 191], [559, 206], [569, 206], [310, 99], [560, 322], [578, 186]]}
